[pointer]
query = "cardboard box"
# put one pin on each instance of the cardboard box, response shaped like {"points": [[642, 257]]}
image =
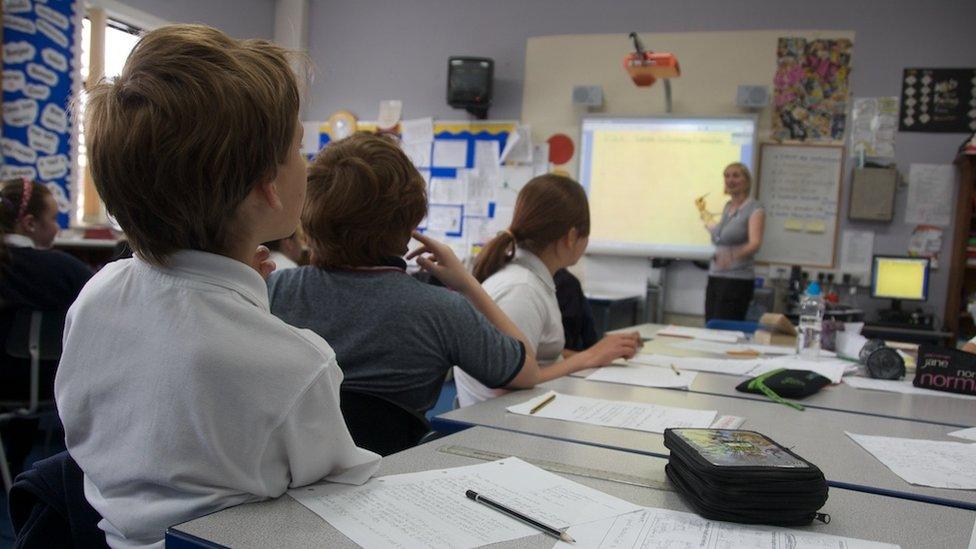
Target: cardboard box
{"points": [[765, 337], [777, 323]]}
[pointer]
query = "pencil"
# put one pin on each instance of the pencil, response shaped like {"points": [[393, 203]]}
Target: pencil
{"points": [[558, 534], [675, 369], [542, 404]]}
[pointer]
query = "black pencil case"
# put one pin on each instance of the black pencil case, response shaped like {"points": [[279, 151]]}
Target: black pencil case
{"points": [[743, 476]]}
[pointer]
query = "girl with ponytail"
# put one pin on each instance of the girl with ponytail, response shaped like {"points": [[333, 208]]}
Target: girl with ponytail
{"points": [[393, 335], [549, 231], [32, 278]]}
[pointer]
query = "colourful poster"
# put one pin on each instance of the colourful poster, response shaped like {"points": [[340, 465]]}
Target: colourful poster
{"points": [[811, 89]]}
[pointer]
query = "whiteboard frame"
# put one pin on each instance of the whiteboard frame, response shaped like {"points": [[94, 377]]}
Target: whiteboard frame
{"points": [[840, 185], [661, 251]]}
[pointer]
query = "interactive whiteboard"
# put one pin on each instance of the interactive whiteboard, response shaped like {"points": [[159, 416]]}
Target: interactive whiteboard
{"points": [[642, 176]]}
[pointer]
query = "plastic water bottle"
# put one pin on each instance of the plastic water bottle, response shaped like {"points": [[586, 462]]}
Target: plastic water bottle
{"points": [[811, 321]]}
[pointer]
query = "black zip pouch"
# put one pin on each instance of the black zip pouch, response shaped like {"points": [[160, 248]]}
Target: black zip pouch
{"points": [[781, 384], [743, 476]]}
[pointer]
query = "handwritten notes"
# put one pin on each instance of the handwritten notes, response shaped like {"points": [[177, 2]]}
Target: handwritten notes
{"points": [[924, 462], [644, 376], [614, 413], [725, 336], [429, 509]]}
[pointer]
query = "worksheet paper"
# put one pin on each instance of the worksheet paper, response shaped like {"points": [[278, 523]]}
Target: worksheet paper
{"points": [[903, 386], [931, 196], [614, 413], [724, 336], [420, 130], [924, 462], [450, 153], [645, 376], [727, 348], [654, 528], [429, 509], [733, 366]]}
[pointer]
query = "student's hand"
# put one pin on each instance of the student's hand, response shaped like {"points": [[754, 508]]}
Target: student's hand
{"points": [[439, 260], [612, 347], [262, 262]]}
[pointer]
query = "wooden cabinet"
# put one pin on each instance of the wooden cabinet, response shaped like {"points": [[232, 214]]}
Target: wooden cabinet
{"points": [[962, 274]]}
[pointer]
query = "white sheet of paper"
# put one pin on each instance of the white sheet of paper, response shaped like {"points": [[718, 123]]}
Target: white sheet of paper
{"points": [[389, 115], [540, 158], [968, 434], [418, 153], [429, 509], [924, 462], [310, 139], [419, 130], [448, 191], [903, 386], [481, 185], [444, 218], [857, 249], [645, 376], [518, 146], [831, 368], [727, 422], [450, 153], [737, 367], [614, 413], [725, 348], [486, 156], [931, 200], [723, 336], [650, 528]]}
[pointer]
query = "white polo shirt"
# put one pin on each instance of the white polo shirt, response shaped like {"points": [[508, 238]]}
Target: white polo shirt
{"points": [[181, 395], [525, 291]]}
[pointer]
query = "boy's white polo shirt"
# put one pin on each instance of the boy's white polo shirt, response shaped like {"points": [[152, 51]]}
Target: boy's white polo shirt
{"points": [[181, 395], [525, 291]]}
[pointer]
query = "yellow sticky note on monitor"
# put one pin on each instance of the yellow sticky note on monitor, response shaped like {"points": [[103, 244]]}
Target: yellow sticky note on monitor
{"points": [[793, 225], [899, 278], [816, 226]]}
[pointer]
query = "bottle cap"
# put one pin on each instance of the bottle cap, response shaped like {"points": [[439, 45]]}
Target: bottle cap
{"points": [[813, 288]]}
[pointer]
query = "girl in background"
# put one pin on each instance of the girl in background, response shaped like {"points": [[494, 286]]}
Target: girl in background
{"points": [[550, 230], [32, 278]]}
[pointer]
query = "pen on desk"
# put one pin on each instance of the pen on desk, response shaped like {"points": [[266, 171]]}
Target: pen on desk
{"points": [[472, 495], [542, 404], [675, 369]]}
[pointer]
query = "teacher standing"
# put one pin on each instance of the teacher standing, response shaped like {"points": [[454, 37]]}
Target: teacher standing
{"points": [[737, 236]]}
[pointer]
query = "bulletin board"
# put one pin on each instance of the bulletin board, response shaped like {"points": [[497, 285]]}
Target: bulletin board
{"points": [[799, 187]]}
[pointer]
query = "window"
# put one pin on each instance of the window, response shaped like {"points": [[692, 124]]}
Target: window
{"points": [[119, 39]]}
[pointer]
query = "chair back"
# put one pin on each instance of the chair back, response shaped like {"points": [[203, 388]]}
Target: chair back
{"points": [[379, 424], [35, 332], [738, 325]]}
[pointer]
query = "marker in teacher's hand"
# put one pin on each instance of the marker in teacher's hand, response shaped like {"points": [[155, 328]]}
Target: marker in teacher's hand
{"points": [[558, 534]]}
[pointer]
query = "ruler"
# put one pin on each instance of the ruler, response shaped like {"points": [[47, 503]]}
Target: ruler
{"points": [[556, 467]]}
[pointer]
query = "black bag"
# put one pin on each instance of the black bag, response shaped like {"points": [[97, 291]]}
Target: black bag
{"points": [[945, 369], [743, 476], [783, 383]]}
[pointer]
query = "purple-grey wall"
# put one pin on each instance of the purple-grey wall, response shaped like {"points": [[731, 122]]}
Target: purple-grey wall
{"points": [[238, 18]]}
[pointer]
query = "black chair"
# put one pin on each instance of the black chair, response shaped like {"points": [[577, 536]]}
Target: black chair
{"points": [[36, 336], [381, 425], [48, 507]]}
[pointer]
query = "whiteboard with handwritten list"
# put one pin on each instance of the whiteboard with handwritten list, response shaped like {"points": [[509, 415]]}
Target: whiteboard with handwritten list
{"points": [[799, 186]]}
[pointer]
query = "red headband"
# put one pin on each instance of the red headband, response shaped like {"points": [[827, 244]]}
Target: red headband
{"points": [[24, 198]]}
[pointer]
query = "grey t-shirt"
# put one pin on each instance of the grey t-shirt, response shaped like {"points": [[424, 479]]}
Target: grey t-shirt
{"points": [[732, 231], [393, 335]]}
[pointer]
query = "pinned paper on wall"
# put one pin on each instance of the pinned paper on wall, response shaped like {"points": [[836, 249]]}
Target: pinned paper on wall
{"points": [[926, 241], [874, 121], [793, 224], [857, 249], [448, 190], [811, 89], [815, 226], [445, 218], [487, 157], [418, 153], [930, 196], [481, 187], [450, 153], [540, 159], [518, 148], [420, 130]]}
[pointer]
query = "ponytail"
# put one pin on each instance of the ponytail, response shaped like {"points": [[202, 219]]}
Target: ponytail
{"points": [[546, 209]]}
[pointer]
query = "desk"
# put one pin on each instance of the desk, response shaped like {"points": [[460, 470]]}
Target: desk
{"points": [[909, 335], [817, 435], [285, 523], [924, 408]]}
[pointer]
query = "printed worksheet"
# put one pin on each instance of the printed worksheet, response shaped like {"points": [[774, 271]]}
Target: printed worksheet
{"points": [[614, 413], [429, 509], [644, 376], [924, 462], [725, 336], [662, 528]]}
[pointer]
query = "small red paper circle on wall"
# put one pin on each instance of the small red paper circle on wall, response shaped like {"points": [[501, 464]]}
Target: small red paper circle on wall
{"points": [[560, 148]]}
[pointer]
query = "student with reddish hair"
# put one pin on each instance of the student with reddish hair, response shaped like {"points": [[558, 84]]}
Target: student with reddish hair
{"points": [[549, 231]]}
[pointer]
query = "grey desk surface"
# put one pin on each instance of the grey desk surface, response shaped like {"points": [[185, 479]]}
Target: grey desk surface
{"points": [[817, 435], [932, 409], [285, 523]]}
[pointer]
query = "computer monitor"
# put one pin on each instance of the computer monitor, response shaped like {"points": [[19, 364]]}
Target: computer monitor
{"points": [[900, 278]]}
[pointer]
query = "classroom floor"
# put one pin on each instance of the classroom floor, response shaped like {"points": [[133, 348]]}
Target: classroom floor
{"points": [[444, 404]]}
